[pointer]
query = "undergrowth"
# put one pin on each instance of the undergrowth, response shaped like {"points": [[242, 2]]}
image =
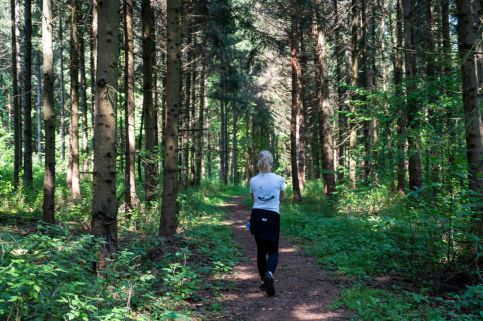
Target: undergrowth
{"points": [[412, 241], [46, 271]]}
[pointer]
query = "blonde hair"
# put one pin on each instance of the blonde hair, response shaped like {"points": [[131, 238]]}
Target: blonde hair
{"points": [[265, 161]]}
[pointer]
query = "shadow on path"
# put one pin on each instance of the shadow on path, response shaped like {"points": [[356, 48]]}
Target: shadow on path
{"points": [[303, 290]]}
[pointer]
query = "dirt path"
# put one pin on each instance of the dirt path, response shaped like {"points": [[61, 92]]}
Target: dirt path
{"points": [[303, 290]]}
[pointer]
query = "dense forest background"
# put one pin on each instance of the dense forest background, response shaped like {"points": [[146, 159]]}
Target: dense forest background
{"points": [[124, 118]]}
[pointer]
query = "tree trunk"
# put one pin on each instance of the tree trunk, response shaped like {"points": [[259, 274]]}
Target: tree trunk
{"points": [[296, 102], [73, 179], [104, 201], [401, 114], [129, 106], [234, 147], [16, 94], [200, 140], [149, 110], [194, 135], [354, 82], [433, 154], [414, 165], [341, 91], [49, 114], [323, 100], [469, 24], [93, 45], [83, 103], [27, 99], [38, 102], [186, 113], [62, 87], [169, 207]]}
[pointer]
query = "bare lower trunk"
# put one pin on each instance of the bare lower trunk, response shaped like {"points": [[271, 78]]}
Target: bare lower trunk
{"points": [[104, 201], [401, 113], [415, 174], [49, 114], [149, 111], [296, 102], [62, 87], [83, 103], [129, 107], [169, 207], [323, 101], [27, 99], [16, 94], [200, 136], [469, 24], [73, 174], [354, 82]]}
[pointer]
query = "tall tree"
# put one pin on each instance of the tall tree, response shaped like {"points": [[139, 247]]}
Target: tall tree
{"points": [[149, 107], [168, 221], [401, 112], [323, 99], [16, 94], [341, 91], [129, 105], [414, 157], [355, 23], [296, 101], [83, 101], [27, 91], [49, 114], [469, 27], [73, 173], [61, 84], [104, 201], [200, 133]]}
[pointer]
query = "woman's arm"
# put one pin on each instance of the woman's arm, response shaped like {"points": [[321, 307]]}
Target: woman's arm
{"points": [[281, 196]]}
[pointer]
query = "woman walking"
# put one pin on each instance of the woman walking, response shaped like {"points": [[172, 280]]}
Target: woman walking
{"points": [[266, 189]]}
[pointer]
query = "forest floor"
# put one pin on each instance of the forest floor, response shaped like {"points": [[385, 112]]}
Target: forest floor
{"points": [[304, 291]]}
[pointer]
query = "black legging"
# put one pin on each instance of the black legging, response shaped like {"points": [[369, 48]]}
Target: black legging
{"points": [[265, 248], [265, 226]]}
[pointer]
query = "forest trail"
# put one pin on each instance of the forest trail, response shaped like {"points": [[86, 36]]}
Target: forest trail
{"points": [[304, 291]]}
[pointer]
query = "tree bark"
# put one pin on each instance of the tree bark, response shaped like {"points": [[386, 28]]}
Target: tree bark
{"points": [[62, 88], [323, 102], [401, 112], [169, 207], [129, 106], [16, 94], [83, 103], [73, 173], [200, 142], [27, 99], [296, 102], [149, 110], [49, 114], [341, 91], [234, 146], [93, 45], [469, 24], [354, 82], [104, 201], [414, 165], [38, 103]]}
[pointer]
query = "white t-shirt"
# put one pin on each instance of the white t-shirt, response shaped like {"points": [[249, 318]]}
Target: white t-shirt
{"points": [[266, 188]]}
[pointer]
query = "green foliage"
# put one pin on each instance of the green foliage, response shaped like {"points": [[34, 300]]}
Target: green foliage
{"points": [[371, 232], [47, 275], [379, 305]]}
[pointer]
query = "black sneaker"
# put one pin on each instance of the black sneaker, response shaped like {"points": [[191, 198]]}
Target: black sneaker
{"points": [[268, 281], [263, 287]]}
